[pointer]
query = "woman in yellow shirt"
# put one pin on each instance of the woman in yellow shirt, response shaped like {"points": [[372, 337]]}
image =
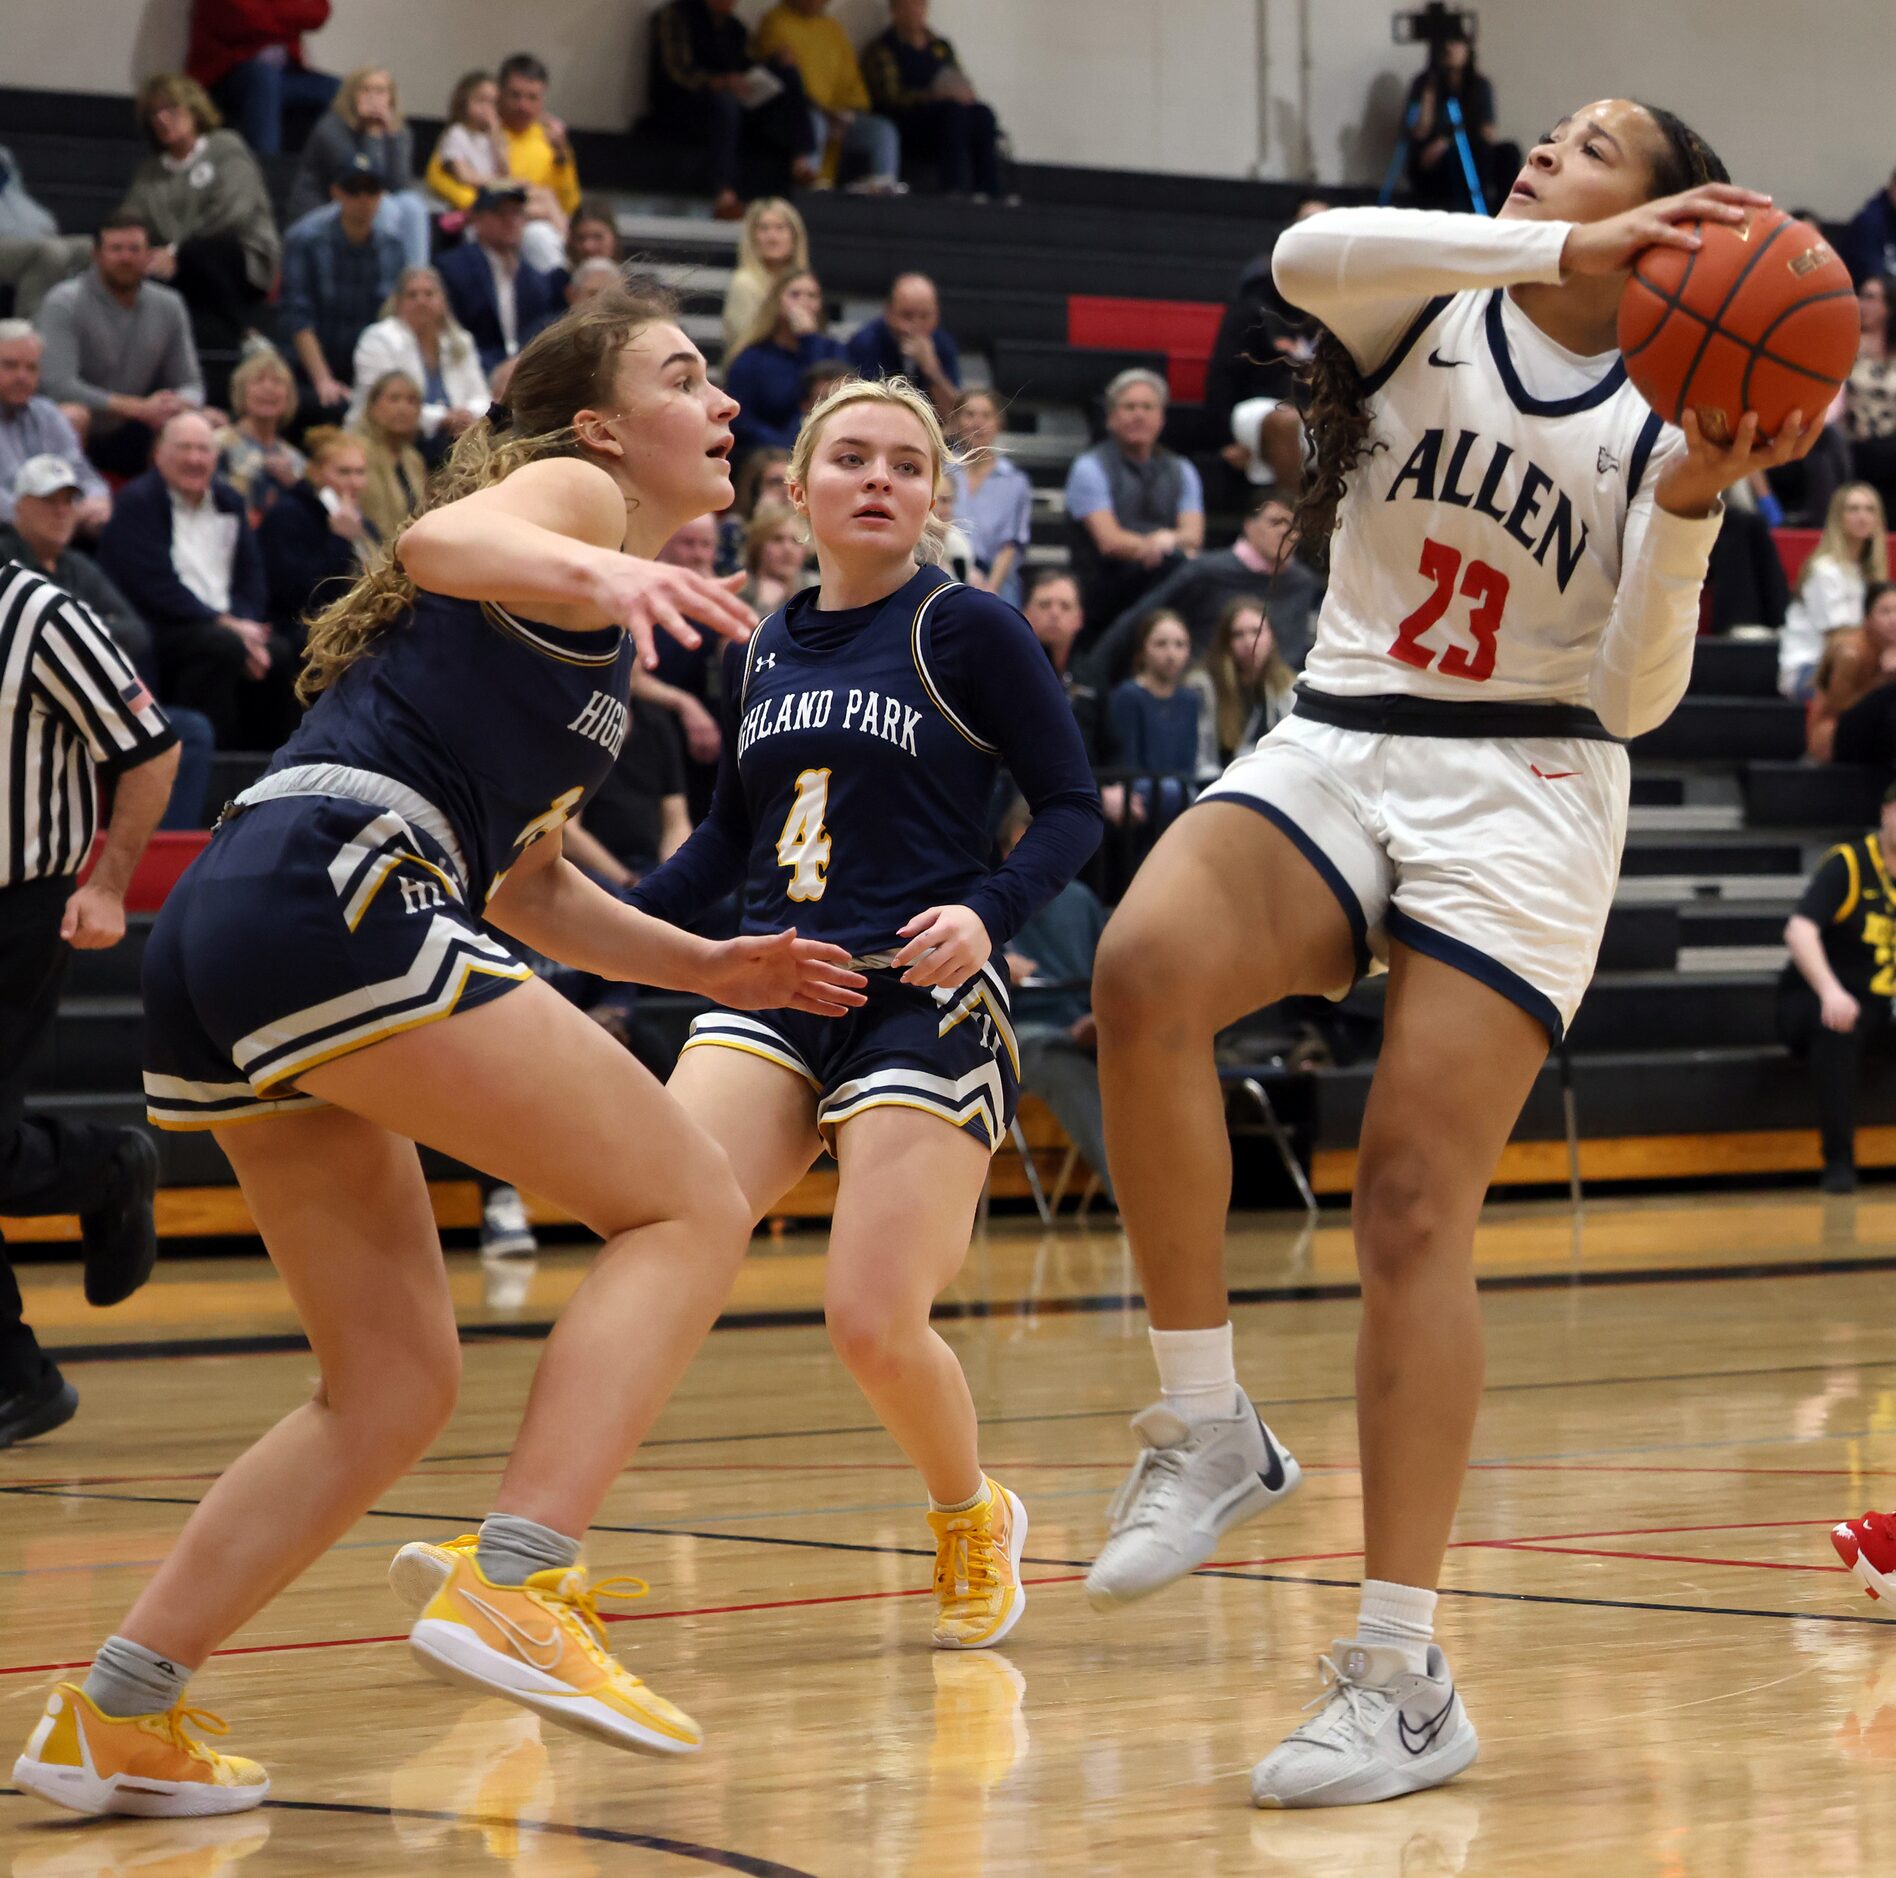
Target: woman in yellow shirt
{"points": [[843, 128]]}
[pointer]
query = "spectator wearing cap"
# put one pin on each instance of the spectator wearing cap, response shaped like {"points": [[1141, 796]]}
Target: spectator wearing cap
{"points": [[843, 128], [34, 426], [203, 196], [907, 337], [119, 348], [34, 256], [364, 123], [539, 154], [45, 499], [1259, 565], [1134, 508], [916, 81], [336, 276], [249, 55], [496, 293], [703, 92], [48, 496], [71, 710], [179, 539]]}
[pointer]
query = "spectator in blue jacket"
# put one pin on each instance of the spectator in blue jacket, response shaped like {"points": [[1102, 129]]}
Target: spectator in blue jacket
{"points": [[501, 298], [337, 272], [765, 375], [179, 540], [316, 535], [907, 338], [1870, 247]]}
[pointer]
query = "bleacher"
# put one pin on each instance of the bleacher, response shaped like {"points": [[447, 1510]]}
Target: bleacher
{"points": [[1675, 1065]]}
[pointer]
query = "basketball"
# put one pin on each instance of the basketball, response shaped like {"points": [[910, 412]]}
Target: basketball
{"points": [[1762, 318]]}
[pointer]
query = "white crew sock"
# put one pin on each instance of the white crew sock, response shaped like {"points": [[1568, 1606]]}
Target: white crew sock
{"points": [[1398, 1617], [1197, 1377]]}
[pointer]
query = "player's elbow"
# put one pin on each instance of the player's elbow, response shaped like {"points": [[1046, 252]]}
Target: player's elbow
{"points": [[1303, 260]]}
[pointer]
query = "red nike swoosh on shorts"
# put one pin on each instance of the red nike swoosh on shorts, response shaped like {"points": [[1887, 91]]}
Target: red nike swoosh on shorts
{"points": [[1558, 775]]}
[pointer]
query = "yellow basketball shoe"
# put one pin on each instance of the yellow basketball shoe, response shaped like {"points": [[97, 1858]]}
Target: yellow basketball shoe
{"points": [[978, 1594], [419, 1570], [91, 1762], [542, 1645]]}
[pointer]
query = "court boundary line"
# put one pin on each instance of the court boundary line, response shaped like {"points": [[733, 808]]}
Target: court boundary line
{"points": [[748, 1863], [977, 1310]]}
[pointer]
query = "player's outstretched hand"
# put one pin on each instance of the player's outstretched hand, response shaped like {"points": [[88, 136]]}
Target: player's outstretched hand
{"points": [[779, 971], [947, 945], [648, 597], [1693, 482], [1609, 247]]}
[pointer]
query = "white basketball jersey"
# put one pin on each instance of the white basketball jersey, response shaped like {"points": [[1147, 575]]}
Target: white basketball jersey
{"points": [[1478, 547]]}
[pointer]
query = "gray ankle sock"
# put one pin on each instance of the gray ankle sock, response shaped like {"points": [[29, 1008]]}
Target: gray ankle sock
{"points": [[128, 1679], [513, 1549]]}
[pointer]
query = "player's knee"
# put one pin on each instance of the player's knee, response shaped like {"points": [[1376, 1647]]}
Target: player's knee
{"points": [[1137, 994], [720, 1213], [1400, 1218], [870, 1336]]}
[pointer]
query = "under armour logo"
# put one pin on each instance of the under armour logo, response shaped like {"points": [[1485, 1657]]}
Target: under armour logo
{"points": [[1607, 460], [767, 661]]}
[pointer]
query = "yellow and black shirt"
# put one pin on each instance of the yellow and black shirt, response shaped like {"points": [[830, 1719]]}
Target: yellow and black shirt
{"points": [[1851, 900]]}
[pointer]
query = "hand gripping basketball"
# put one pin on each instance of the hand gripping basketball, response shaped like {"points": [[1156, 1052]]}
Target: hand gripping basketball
{"points": [[1611, 246]]}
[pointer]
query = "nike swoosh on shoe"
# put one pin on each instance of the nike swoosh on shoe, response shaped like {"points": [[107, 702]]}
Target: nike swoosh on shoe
{"points": [[523, 1639], [1426, 1734]]}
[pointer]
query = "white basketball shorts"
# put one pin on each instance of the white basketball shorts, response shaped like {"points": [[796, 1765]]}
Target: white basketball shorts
{"points": [[1497, 856]]}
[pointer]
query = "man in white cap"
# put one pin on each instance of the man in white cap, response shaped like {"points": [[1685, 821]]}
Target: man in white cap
{"points": [[47, 501], [33, 425]]}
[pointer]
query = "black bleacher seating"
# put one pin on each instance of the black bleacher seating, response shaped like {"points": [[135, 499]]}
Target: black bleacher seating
{"points": [[1808, 795], [1727, 728], [1711, 855], [1734, 668], [1051, 373]]}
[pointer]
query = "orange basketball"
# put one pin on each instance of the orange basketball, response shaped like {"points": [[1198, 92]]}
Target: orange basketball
{"points": [[1762, 318]]}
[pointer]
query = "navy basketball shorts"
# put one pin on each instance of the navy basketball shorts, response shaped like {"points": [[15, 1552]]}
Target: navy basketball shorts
{"points": [[946, 1053], [310, 927], [1498, 856]]}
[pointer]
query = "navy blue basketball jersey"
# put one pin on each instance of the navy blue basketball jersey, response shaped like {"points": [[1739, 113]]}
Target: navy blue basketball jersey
{"points": [[503, 725], [868, 796]]}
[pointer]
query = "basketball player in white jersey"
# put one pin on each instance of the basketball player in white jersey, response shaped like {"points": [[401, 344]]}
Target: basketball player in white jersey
{"points": [[1517, 546]]}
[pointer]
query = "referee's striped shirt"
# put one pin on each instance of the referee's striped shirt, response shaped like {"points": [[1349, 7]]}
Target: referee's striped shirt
{"points": [[70, 705]]}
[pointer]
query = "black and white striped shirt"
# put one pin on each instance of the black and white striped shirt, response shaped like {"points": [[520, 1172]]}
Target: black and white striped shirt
{"points": [[70, 705]]}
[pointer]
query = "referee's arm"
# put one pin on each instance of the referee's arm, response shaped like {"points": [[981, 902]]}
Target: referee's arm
{"points": [[88, 679]]}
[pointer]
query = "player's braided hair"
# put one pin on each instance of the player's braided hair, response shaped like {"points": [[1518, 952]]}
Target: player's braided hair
{"points": [[1337, 419], [567, 368]]}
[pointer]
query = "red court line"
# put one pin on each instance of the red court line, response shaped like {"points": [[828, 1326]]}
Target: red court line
{"points": [[1665, 1558], [611, 1617]]}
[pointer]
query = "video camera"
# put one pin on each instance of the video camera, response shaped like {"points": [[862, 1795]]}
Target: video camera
{"points": [[1433, 25]]}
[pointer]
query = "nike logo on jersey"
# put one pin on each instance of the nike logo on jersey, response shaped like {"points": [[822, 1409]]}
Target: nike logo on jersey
{"points": [[1273, 1477], [1435, 358], [541, 1652], [1475, 476], [1420, 1740], [1552, 775]]}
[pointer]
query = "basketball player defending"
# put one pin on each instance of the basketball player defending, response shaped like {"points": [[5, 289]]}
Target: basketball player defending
{"points": [[329, 984], [1518, 549]]}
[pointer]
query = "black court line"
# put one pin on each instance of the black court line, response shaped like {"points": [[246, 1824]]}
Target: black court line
{"points": [[975, 1310], [1263, 1402], [1067, 1564], [603, 1835]]}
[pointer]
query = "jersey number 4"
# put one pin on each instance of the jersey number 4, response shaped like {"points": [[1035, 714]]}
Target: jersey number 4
{"points": [[804, 845], [1485, 587]]}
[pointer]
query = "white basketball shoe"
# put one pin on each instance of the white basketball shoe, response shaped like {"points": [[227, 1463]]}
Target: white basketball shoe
{"points": [[1192, 1483], [1380, 1731]]}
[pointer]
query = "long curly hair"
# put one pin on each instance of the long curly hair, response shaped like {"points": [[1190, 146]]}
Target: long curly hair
{"points": [[567, 368], [1337, 414]]}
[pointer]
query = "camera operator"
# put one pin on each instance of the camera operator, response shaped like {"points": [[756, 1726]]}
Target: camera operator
{"points": [[1437, 179]]}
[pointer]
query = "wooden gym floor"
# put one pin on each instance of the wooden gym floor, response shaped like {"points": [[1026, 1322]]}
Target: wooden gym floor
{"points": [[1669, 1673]]}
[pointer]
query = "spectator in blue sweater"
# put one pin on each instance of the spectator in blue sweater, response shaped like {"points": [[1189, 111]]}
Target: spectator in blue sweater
{"points": [[180, 541], [765, 375], [500, 297], [1154, 714], [907, 338], [316, 534], [916, 81]]}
